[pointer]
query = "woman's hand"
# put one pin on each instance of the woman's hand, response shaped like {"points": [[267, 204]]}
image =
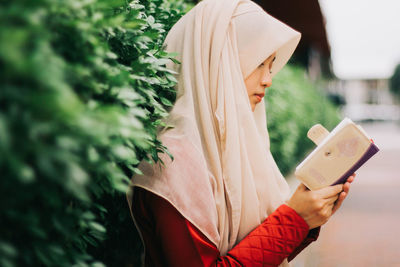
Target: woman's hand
{"points": [[316, 207], [343, 195]]}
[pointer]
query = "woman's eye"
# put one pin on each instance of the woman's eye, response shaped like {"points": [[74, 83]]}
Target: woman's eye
{"points": [[261, 65]]}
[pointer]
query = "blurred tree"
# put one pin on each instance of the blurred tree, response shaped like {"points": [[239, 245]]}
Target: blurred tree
{"points": [[294, 104], [394, 82]]}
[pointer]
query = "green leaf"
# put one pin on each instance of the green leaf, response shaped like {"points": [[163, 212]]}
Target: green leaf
{"points": [[166, 101], [97, 227], [8, 250]]}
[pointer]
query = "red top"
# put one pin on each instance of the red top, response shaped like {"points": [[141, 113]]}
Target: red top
{"points": [[171, 240]]}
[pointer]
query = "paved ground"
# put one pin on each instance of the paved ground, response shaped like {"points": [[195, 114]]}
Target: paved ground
{"points": [[366, 230]]}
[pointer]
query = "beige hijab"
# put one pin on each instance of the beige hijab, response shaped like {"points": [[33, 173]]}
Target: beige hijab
{"points": [[223, 178]]}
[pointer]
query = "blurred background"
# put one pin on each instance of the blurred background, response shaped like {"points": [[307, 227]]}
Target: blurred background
{"points": [[84, 90], [351, 50]]}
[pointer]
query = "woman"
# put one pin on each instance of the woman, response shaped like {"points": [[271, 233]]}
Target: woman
{"points": [[222, 201]]}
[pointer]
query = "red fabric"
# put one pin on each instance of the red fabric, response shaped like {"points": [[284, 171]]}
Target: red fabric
{"points": [[171, 240]]}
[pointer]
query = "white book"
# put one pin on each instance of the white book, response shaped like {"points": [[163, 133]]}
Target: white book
{"points": [[338, 154]]}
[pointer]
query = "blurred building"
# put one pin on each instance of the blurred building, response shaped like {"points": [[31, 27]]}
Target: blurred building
{"points": [[362, 99], [366, 99], [313, 51]]}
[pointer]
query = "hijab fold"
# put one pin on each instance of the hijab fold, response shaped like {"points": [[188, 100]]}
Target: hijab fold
{"points": [[223, 178]]}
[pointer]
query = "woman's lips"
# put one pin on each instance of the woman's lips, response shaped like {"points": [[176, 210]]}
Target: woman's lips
{"points": [[259, 97]]}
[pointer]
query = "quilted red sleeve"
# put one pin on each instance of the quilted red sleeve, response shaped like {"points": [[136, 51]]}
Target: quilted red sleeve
{"points": [[172, 240], [272, 241]]}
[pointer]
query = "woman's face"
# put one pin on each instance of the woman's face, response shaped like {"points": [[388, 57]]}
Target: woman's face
{"points": [[258, 80]]}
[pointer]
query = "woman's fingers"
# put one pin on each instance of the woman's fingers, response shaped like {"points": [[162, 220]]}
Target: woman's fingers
{"points": [[326, 212], [351, 178], [322, 203], [341, 197], [339, 202], [332, 200], [346, 187], [317, 206], [330, 191]]}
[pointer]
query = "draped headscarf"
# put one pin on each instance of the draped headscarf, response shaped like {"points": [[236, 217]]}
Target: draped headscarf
{"points": [[223, 178]]}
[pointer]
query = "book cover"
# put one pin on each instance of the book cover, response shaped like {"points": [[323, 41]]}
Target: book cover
{"points": [[338, 154]]}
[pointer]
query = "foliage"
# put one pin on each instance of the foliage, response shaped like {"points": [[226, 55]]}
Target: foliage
{"points": [[394, 82], [294, 104], [83, 89]]}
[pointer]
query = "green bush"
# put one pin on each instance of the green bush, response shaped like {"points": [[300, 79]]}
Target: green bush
{"points": [[83, 89], [294, 104]]}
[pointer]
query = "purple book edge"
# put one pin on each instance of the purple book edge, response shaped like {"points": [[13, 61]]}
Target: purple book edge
{"points": [[372, 150]]}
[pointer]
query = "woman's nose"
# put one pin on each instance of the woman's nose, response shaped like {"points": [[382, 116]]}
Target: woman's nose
{"points": [[266, 80]]}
